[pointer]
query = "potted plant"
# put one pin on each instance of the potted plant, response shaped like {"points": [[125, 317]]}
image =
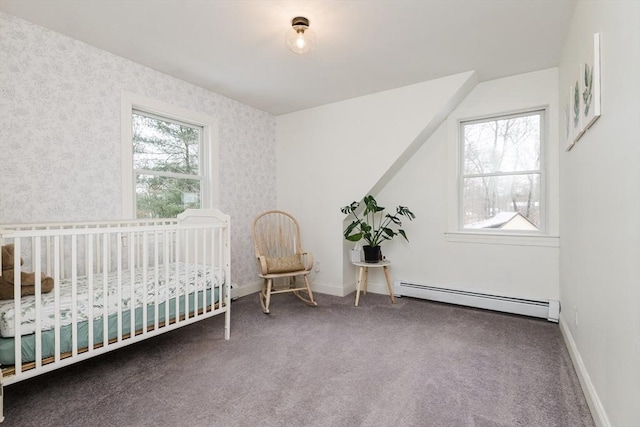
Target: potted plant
{"points": [[374, 226]]}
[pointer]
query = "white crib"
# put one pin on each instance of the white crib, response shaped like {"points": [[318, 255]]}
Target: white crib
{"points": [[115, 283]]}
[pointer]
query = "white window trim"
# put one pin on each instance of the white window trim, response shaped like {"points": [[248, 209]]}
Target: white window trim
{"points": [[208, 157], [511, 238], [548, 235]]}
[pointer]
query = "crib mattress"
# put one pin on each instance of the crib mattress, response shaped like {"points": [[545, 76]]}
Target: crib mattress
{"points": [[7, 345], [183, 279]]}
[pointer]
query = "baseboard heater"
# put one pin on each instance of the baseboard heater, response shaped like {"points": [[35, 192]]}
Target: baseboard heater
{"points": [[546, 309]]}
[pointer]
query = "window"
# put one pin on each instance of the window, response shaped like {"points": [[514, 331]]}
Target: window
{"points": [[501, 174], [169, 156], [166, 165]]}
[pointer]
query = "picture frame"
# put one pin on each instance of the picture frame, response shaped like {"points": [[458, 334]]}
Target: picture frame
{"points": [[584, 105], [590, 86]]}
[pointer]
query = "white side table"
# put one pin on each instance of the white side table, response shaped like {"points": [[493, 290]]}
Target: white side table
{"points": [[364, 270]]}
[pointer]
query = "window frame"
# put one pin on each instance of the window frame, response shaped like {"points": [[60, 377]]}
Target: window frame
{"points": [[208, 156], [455, 232]]}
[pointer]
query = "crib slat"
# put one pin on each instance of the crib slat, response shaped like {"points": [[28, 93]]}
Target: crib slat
{"points": [[156, 296], [96, 248], [132, 269], [220, 265], [108, 248], [63, 262], [177, 276], [83, 251], [119, 319], [205, 233], [145, 279], [194, 269], [197, 280], [74, 294], [56, 293], [105, 289], [35, 244], [214, 260], [17, 247], [48, 256], [89, 264], [167, 266], [186, 273]]}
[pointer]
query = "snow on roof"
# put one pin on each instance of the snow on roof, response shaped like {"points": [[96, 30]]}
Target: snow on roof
{"points": [[497, 221]]}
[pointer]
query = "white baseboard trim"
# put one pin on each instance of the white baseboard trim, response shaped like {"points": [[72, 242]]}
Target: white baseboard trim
{"points": [[349, 288], [374, 288], [241, 291], [325, 288], [595, 405]]}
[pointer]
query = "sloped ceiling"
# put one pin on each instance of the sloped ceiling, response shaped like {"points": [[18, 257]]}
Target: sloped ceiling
{"points": [[237, 49]]}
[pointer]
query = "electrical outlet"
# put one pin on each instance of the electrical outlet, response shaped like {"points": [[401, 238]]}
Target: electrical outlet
{"points": [[316, 266]]}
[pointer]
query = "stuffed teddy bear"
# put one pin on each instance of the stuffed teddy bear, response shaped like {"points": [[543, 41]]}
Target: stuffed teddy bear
{"points": [[27, 280]]}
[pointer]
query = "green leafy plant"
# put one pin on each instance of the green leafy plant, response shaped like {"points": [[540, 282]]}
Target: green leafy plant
{"points": [[374, 226]]}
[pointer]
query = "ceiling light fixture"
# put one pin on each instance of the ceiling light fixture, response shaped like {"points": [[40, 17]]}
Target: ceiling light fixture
{"points": [[300, 38]]}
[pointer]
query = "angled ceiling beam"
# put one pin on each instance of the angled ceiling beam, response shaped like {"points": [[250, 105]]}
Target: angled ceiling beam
{"points": [[427, 132]]}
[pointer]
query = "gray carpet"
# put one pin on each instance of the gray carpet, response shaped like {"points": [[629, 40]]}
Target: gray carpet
{"points": [[415, 363]]}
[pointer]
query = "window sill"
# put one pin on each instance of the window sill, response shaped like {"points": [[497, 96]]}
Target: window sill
{"points": [[503, 239]]}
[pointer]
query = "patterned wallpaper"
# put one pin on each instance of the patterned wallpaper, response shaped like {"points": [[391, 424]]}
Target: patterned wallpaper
{"points": [[60, 135]]}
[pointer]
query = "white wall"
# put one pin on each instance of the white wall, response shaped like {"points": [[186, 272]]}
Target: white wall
{"points": [[429, 258], [600, 216], [332, 155], [60, 135]]}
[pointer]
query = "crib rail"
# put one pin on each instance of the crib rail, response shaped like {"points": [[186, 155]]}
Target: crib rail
{"points": [[48, 231], [115, 283]]}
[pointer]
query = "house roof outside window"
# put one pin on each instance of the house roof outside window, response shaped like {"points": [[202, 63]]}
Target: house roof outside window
{"points": [[505, 221]]}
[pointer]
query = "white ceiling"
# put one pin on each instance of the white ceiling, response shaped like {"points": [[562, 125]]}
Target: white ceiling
{"points": [[237, 48]]}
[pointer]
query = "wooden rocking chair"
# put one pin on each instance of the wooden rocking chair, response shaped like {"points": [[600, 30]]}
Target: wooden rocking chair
{"points": [[276, 238]]}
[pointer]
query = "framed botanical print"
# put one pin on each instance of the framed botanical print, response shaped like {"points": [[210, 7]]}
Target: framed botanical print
{"points": [[575, 122], [584, 105], [590, 86]]}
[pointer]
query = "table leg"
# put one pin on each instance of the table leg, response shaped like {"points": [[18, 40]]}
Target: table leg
{"points": [[358, 285], [366, 279], [386, 274]]}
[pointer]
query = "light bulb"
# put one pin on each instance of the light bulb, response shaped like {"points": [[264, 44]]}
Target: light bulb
{"points": [[300, 39]]}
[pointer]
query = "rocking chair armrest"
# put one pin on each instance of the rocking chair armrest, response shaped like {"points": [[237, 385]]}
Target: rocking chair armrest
{"points": [[262, 260], [307, 260]]}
